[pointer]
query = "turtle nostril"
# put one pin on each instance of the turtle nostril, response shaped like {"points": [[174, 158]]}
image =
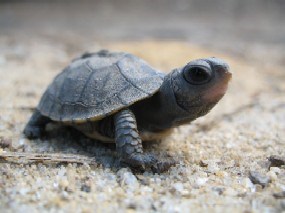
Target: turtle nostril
{"points": [[222, 69], [224, 72]]}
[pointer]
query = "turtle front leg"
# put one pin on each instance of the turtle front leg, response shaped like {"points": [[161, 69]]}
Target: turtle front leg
{"points": [[36, 125], [128, 141]]}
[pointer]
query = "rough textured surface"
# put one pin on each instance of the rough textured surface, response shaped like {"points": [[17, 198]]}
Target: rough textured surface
{"points": [[215, 153], [84, 89]]}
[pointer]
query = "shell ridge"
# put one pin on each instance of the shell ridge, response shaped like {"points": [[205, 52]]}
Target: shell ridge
{"points": [[120, 99], [88, 79], [135, 86], [60, 92]]}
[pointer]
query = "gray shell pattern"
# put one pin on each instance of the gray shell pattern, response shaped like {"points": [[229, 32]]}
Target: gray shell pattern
{"points": [[96, 86]]}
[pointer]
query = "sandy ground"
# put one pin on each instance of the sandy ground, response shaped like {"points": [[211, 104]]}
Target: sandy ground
{"points": [[216, 153]]}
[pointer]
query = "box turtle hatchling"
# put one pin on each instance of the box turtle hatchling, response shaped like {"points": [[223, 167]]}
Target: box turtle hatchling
{"points": [[117, 97]]}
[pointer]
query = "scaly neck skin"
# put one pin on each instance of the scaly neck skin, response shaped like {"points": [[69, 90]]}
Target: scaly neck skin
{"points": [[160, 112]]}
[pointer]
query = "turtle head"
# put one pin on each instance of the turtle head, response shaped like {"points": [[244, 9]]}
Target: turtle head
{"points": [[200, 84]]}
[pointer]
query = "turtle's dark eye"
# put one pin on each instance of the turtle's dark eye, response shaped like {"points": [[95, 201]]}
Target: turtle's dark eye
{"points": [[197, 75]]}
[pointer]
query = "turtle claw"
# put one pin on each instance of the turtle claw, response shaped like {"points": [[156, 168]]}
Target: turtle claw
{"points": [[143, 161], [140, 160], [164, 165]]}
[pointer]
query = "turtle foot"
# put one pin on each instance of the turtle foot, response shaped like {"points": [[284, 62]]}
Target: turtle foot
{"points": [[140, 160], [33, 132]]}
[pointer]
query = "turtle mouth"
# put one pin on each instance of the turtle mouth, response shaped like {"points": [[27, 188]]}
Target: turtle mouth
{"points": [[217, 91]]}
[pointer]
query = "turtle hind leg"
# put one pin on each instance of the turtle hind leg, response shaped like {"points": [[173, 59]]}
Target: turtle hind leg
{"points": [[128, 142], [36, 125]]}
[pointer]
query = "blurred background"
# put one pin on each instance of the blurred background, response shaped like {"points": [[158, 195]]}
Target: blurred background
{"points": [[237, 26]]}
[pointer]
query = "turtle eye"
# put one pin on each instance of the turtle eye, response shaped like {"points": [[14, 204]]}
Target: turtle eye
{"points": [[197, 75]]}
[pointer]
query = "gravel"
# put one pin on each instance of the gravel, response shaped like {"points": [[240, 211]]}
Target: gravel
{"points": [[276, 161], [257, 178], [215, 153]]}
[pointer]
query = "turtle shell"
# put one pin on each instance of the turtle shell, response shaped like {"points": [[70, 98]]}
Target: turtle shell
{"points": [[97, 85]]}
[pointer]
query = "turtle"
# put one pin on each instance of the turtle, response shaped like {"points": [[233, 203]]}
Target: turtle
{"points": [[118, 97]]}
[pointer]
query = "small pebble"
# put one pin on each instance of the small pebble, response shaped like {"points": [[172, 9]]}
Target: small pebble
{"points": [[248, 184], [63, 183], [178, 187], [218, 189], [5, 143], [201, 181], [276, 161], [23, 191], [276, 170], [221, 174], [203, 163], [257, 178], [230, 192], [279, 195], [258, 188], [86, 188], [126, 177], [213, 167], [272, 175], [19, 144]]}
